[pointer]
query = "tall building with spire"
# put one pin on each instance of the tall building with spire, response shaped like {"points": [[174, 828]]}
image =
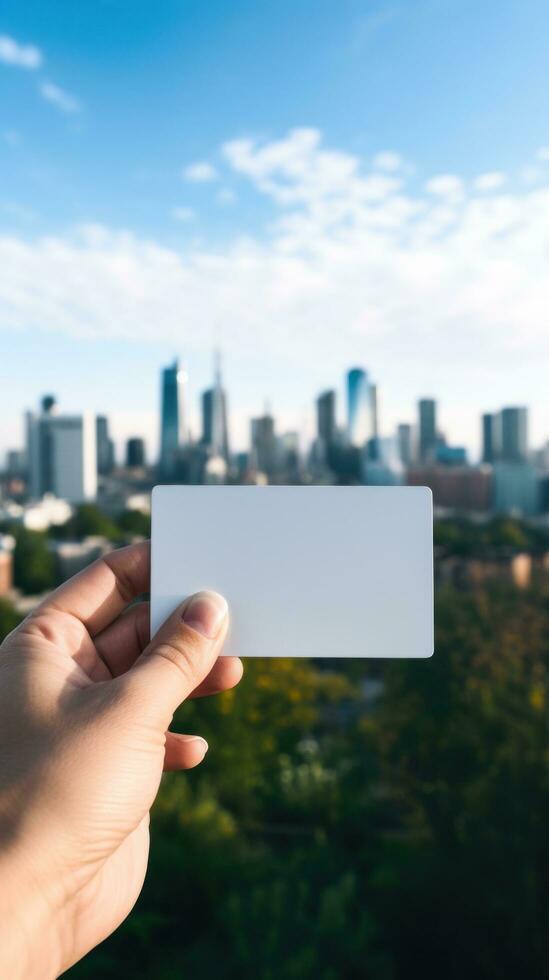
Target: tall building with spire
{"points": [[215, 428], [174, 428]]}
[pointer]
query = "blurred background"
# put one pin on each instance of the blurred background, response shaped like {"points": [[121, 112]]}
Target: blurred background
{"points": [[297, 242]]}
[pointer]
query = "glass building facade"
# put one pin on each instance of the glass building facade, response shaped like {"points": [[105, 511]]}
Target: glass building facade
{"points": [[361, 408], [173, 422]]}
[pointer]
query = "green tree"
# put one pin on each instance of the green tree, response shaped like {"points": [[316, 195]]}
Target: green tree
{"points": [[464, 740], [9, 618], [134, 522], [33, 562], [88, 520]]}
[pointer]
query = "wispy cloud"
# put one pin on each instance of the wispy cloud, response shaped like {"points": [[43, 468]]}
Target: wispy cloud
{"points": [[19, 55], [200, 172], [490, 181], [59, 97], [387, 160], [298, 170]]}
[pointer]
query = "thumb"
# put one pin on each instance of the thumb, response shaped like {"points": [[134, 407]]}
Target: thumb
{"points": [[178, 657]]}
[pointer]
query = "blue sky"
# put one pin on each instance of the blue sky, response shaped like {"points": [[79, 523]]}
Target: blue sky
{"points": [[308, 185]]}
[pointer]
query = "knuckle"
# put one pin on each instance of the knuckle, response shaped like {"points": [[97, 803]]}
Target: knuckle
{"points": [[188, 653]]}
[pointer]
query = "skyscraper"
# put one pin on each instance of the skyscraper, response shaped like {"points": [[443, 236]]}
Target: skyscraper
{"points": [[514, 435], [105, 446], [404, 443], [361, 408], [427, 429], [264, 444], [62, 454], [135, 452], [173, 431], [491, 437], [326, 418], [215, 430], [374, 403]]}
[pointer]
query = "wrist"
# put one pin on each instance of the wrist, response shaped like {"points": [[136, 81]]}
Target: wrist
{"points": [[30, 946]]}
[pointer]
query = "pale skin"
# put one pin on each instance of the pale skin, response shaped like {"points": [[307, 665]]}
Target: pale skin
{"points": [[86, 702]]}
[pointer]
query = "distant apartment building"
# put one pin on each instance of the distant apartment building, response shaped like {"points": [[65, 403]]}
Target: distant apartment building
{"points": [[459, 488], [61, 453]]}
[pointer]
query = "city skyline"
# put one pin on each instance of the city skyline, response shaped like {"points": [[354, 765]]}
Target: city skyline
{"points": [[290, 211], [352, 405], [346, 414], [72, 456]]}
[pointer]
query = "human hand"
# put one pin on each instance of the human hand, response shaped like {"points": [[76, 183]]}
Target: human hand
{"points": [[85, 706]]}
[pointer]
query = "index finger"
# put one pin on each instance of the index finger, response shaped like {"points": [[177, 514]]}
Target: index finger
{"points": [[100, 592]]}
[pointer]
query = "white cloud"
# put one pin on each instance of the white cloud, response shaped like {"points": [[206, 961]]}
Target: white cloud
{"points": [[59, 97], [444, 284], [182, 214], [19, 55], [543, 154], [200, 173], [446, 186], [490, 181], [387, 161], [297, 171]]}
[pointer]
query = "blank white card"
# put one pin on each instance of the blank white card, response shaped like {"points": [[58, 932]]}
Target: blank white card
{"points": [[307, 571]]}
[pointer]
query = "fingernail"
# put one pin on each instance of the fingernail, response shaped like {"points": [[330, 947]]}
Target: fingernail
{"points": [[205, 613], [198, 738]]}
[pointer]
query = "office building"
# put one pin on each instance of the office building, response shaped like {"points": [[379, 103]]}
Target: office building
{"points": [[135, 453], [514, 435], [62, 454], [173, 427], [427, 429], [326, 418], [491, 437], [264, 445], [105, 446], [215, 429], [404, 442], [361, 408], [516, 489]]}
